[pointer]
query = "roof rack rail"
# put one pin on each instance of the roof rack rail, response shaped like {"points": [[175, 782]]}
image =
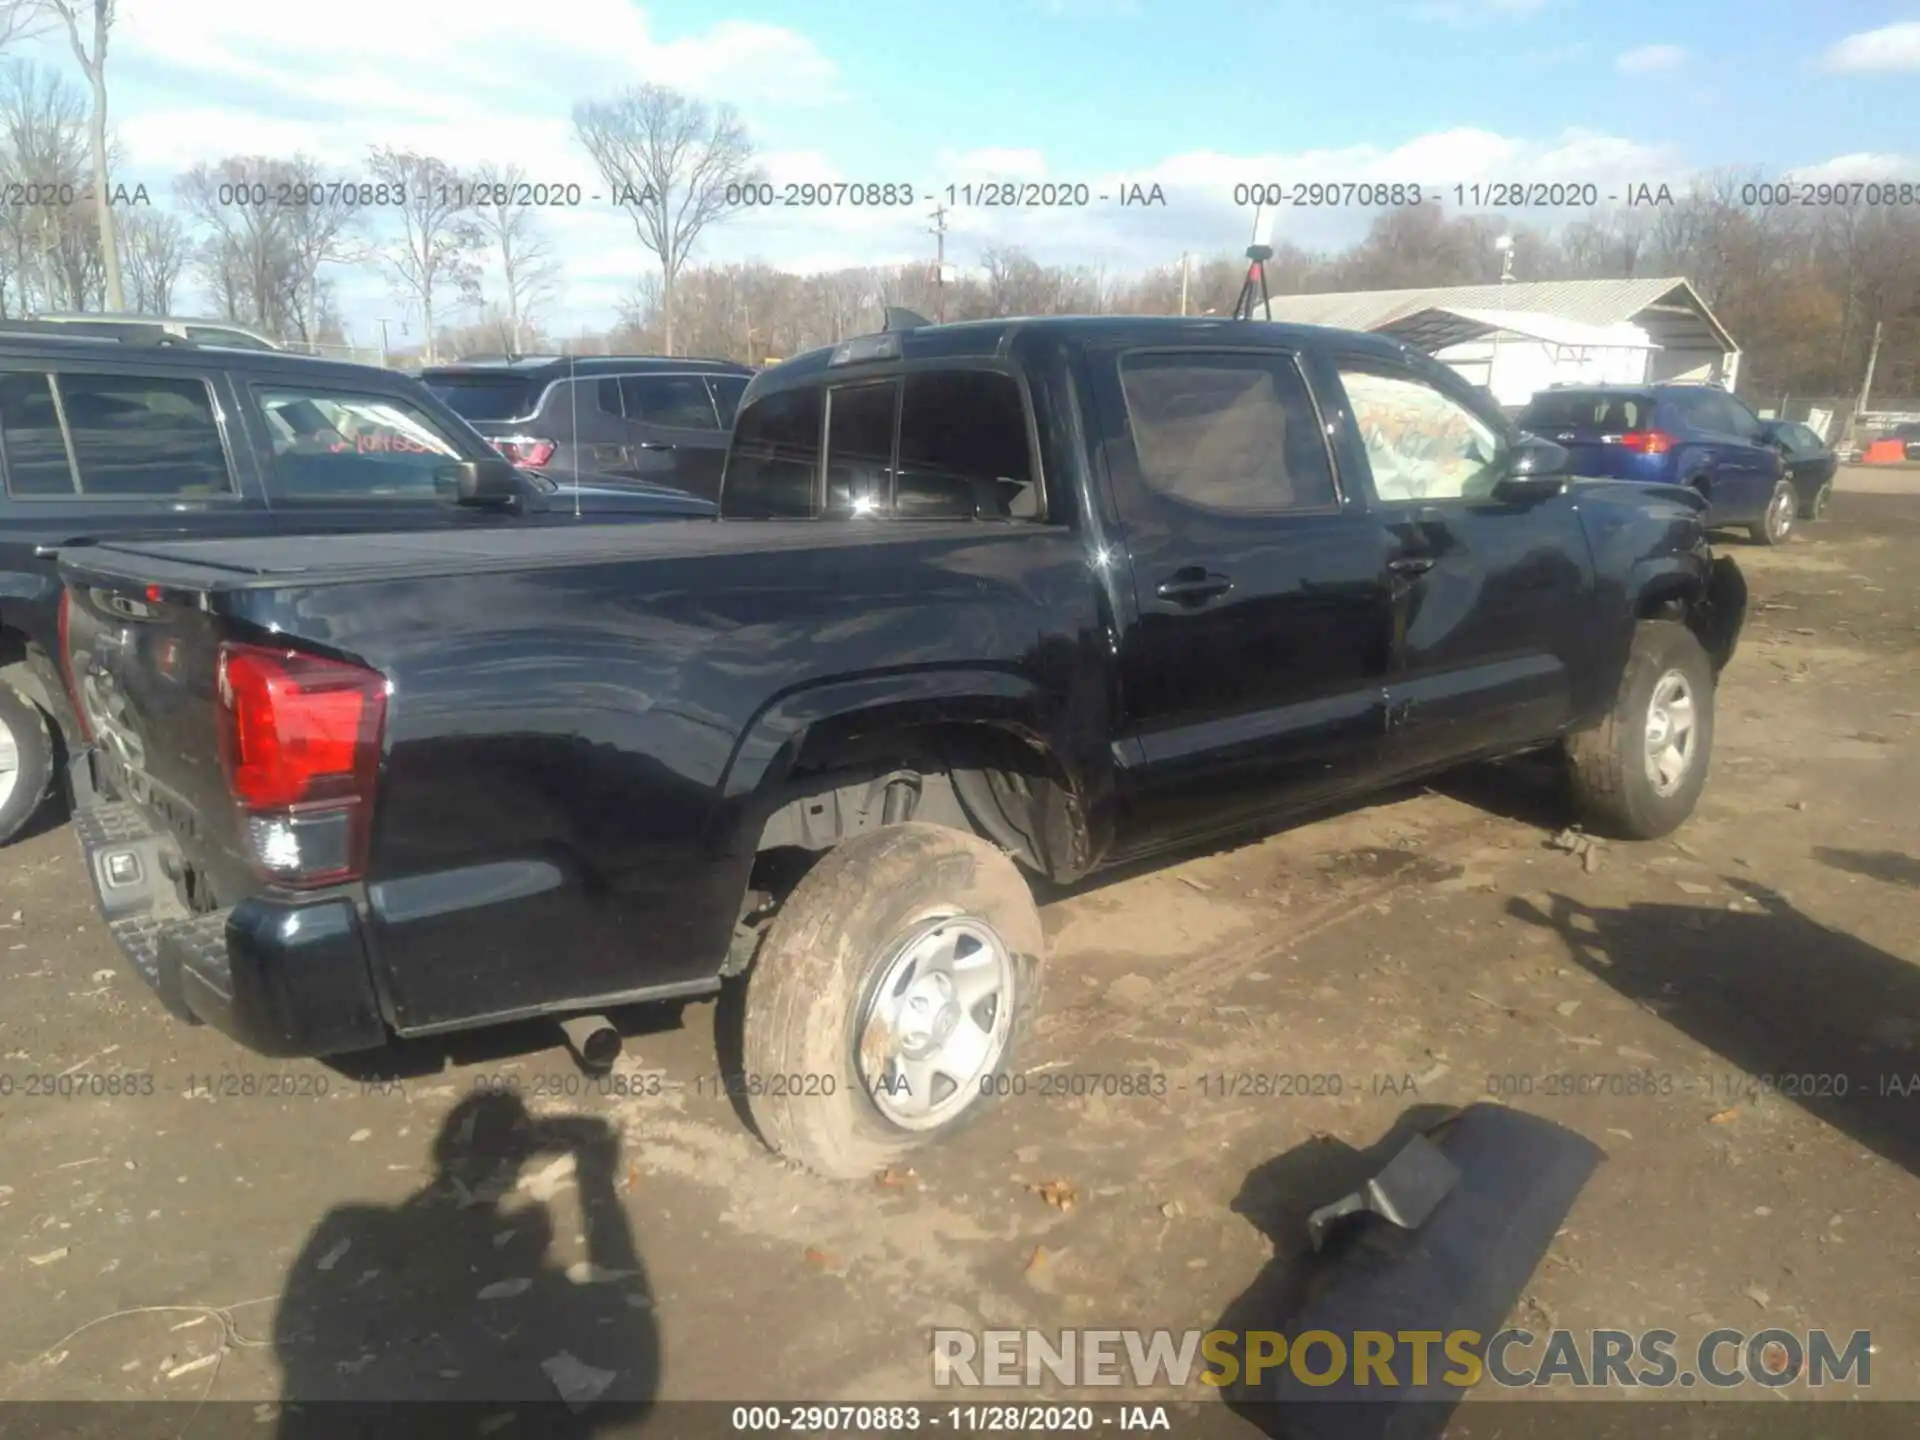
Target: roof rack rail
{"points": [[106, 330]]}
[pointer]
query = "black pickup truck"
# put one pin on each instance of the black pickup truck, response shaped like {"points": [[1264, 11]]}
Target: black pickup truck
{"points": [[1043, 594]]}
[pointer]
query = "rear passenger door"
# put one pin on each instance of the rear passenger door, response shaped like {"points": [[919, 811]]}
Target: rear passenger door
{"points": [[674, 434], [1756, 462], [1253, 670], [342, 459], [1716, 450]]}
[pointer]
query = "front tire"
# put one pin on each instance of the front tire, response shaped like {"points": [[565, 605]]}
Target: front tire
{"points": [[1639, 773], [26, 761], [889, 998], [1776, 525], [1816, 505]]}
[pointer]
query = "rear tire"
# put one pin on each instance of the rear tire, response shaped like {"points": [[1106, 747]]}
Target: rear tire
{"points": [[26, 761], [1639, 773], [890, 996], [1776, 526]]}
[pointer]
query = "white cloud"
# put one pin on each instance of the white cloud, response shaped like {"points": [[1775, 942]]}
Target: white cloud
{"points": [[1863, 167], [1890, 48], [1648, 58]]}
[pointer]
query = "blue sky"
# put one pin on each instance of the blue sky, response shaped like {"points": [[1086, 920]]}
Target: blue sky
{"points": [[1195, 95]]}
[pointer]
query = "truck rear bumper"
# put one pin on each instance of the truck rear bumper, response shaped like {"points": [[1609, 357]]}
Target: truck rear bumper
{"points": [[281, 978]]}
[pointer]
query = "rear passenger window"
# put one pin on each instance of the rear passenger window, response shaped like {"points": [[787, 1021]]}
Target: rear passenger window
{"points": [[727, 390], [680, 402], [34, 450], [963, 449], [133, 436], [1227, 431], [775, 456], [860, 447]]}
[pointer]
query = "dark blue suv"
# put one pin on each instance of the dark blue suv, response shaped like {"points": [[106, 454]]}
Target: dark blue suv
{"points": [[1675, 434]]}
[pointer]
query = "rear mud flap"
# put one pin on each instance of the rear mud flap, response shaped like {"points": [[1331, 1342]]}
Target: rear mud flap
{"points": [[1722, 612], [1470, 1207]]}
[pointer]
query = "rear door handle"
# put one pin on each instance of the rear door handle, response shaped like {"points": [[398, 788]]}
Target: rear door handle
{"points": [[1411, 565], [1193, 587], [656, 445]]}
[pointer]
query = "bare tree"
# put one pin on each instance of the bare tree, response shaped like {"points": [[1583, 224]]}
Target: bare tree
{"points": [[245, 260], [438, 237], [43, 149], [319, 232], [157, 249], [528, 270], [675, 166], [82, 20]]}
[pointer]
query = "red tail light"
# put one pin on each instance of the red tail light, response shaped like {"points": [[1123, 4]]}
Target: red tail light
{"points": [[525, 451], [66, 668], [1647, 442], [300, 741]]}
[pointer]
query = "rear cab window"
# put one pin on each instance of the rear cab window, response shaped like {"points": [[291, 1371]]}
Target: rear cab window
{"points": [[98, 435], [936, 444], [1232, 431]]}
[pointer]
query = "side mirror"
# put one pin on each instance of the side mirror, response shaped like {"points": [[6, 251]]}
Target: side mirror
{"points": [[485, 482], [1536, 468]]}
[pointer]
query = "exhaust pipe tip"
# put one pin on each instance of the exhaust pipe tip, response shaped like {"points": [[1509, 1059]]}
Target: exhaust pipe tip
{"points": [[593, 1040]]}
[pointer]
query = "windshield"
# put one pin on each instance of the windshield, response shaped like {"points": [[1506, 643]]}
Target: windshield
{"points": [[484, 397], [1585, 410]]}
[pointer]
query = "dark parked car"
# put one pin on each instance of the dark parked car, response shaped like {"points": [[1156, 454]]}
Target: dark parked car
{"points": [[111, 433], [1909, 435], [1042, 594], [1810, 466], [608, 419], [1674, 434]]}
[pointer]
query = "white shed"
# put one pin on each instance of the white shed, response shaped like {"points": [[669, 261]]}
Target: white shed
{"points": [[1523, 336]]}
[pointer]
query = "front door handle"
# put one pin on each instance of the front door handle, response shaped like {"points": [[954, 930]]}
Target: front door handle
{"points": [[1193, 587], [1411, 565], [656, 445]]}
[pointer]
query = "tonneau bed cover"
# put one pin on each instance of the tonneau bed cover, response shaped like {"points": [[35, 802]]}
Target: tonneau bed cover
{"points": [[237, 564]]}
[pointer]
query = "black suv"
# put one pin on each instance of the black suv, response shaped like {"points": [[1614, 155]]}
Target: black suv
{"points": [[615, 419], [117, 433]]}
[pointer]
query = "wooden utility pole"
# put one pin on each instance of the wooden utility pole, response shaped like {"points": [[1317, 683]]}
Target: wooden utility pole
{"points": [[939, 233], [1184, 258], [1873, 357]]}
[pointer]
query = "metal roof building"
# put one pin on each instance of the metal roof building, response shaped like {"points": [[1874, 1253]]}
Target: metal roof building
{"points": [[1522, 336]]}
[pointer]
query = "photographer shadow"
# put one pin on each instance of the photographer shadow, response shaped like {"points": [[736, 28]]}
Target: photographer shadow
{"points": [[447, 1311]]}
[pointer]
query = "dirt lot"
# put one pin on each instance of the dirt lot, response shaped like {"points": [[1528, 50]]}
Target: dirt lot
{"points": [[1409, 952]]}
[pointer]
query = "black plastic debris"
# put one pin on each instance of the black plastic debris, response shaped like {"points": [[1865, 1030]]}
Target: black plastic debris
{"points": [[1470, 1210]]}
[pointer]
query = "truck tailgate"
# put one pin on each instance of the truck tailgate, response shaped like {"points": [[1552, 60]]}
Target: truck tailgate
{"points": [[144, 669]]}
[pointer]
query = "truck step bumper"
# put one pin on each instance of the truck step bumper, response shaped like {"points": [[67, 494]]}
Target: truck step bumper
{"points": [[281, 978]]}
